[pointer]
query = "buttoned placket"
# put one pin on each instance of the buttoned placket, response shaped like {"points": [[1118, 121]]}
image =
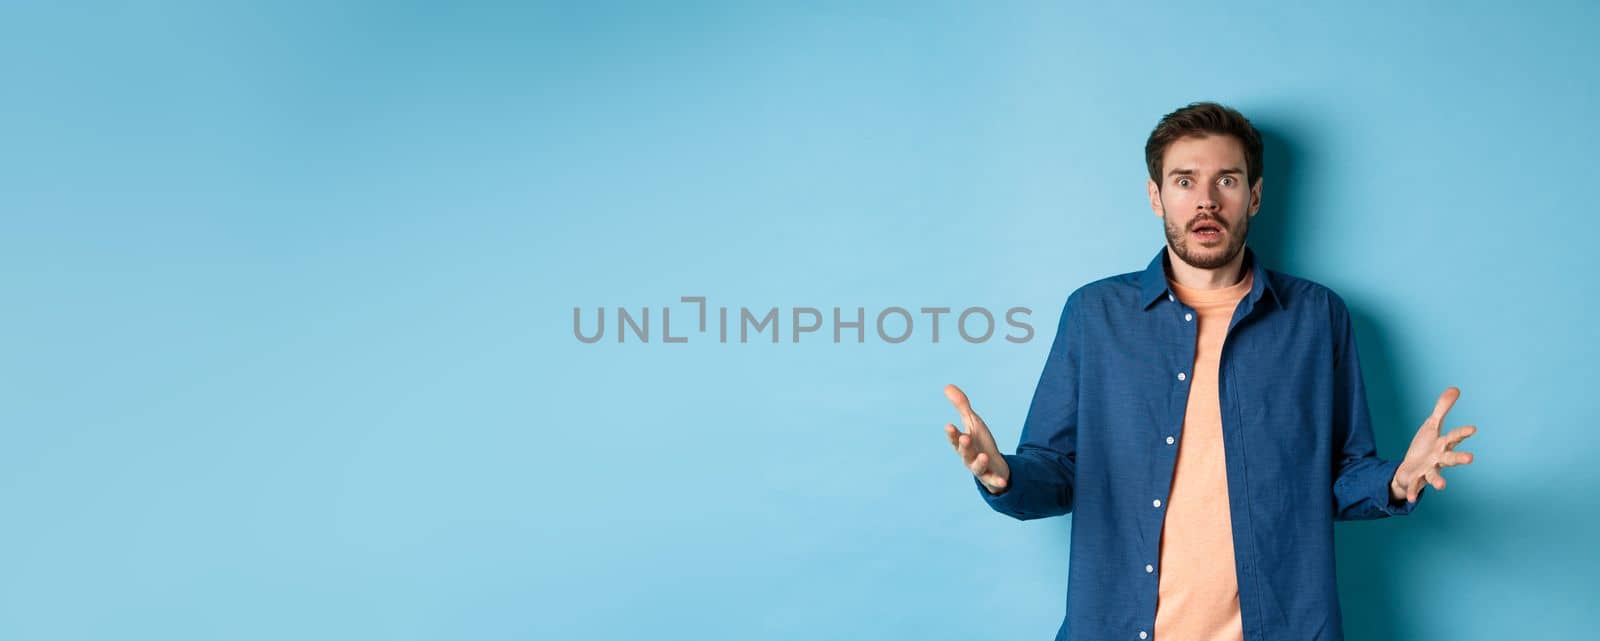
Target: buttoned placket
{"points": [[1188, 330]]}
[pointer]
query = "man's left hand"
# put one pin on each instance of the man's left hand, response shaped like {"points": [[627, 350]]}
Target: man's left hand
{"points": [[1430, 452]]}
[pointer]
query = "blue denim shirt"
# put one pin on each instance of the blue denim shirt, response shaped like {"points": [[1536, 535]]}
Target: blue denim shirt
{"points": [[1102, 434]]}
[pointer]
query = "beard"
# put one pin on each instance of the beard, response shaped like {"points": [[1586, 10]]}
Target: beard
{"points": [[1201, 256]]}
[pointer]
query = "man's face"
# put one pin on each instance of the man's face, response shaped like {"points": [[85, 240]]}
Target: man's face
{"points": [[1204, 201]]}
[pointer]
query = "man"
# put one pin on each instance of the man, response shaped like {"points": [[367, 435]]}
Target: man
{"points": [[1206, 421]]}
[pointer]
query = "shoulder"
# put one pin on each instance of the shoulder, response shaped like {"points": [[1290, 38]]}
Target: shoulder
{"points": [[1108, 292], [1317, 307], [1311, 298]]}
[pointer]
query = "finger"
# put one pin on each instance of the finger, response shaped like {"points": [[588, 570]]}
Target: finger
{"points": [[1414, 487], [966, 449], [979, 465], [957, 398], [1436, 479], [952, 433], [979, 428], [963, 407], [992, 478], [974, 423], [1457, 435], [1456, 458], [981, 438], [1445, 402], [986, 473]]}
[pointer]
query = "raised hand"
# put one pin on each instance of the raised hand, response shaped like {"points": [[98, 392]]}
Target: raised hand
{"points": [[1430, 452], [976, 446]]}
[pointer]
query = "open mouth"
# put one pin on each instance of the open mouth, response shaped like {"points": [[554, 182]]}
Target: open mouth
{"points": [[1207, 231]]}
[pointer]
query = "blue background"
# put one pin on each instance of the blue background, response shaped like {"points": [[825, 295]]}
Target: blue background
{"points": [[288, 302]]}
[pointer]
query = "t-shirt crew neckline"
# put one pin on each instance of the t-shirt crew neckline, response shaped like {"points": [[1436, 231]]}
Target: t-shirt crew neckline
{"points": [[1232, 292]]}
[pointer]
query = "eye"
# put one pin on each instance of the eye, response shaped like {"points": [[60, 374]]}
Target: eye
{"points": [[1227, 181], [1183, 182]]}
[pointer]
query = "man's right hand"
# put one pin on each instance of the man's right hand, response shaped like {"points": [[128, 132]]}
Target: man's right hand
{"points": [[976, 445]]}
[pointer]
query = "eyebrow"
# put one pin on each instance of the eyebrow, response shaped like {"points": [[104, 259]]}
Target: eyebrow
{"points": [[1191, 172]]}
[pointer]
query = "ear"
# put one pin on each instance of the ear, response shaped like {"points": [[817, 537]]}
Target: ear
{"points": [[1255, 196], [1155, 198]]}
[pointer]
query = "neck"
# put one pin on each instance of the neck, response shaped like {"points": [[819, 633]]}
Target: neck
{"points": [[1196, 278]]}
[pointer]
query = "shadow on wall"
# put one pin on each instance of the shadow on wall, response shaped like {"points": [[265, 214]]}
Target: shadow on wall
{"points": [[1369, 553], [1376, 557]]}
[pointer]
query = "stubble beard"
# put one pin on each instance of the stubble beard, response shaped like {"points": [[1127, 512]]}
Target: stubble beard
{"points": [[1207, 258]]}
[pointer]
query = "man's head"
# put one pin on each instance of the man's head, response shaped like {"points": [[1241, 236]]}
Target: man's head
{"points": [[1205, 174]]}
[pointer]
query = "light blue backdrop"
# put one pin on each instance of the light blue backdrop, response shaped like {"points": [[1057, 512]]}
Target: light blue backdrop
{"points": [[288, 304]]}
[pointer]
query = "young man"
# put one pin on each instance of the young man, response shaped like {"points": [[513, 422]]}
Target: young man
{"points": [[1206, 421]]}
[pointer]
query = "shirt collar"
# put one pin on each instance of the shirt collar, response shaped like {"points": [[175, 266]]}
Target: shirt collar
{"points": [[1153, 282]]}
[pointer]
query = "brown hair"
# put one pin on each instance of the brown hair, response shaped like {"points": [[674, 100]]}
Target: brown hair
{"points": [[1201, 119]]}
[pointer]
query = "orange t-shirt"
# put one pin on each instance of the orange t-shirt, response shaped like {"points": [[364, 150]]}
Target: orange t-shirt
{"points": [[1198, 597]]}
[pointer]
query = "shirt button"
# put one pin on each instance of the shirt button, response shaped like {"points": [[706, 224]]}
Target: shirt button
{"points": [[1157, 503], [1188, 317], [1182, 376], [1169, 296], [1142, 635], [1169, 440], [1149, 568]]}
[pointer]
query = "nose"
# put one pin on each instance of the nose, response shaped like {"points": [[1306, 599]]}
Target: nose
{"points": [[1209, 203]]}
